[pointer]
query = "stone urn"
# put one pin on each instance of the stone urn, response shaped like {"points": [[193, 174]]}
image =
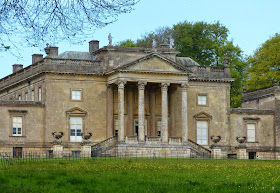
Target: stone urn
{"points": [[216, 140], [241, 141], [86, 137], [57, 136]]}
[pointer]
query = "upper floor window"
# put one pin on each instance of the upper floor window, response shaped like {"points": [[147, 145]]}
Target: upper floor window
{"points": [[17, 126], [19, 97], [202, 99], [26, 96], [40, 94], [76, 95], [32, 95]]}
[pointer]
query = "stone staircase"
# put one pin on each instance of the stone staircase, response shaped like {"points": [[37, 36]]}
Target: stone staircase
{"points": [[198, 151], [100, 148]]}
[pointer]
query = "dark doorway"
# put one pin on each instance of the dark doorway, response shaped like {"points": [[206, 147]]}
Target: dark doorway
{"points": [[252, 155], [17, 152]]}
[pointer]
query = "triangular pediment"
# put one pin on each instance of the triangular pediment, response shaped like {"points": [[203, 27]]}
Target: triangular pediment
{"points": [[154, 63], [76, 110], [202, 115]]}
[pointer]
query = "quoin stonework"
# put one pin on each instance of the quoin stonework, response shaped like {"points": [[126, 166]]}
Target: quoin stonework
{"points": [[124, 100]]}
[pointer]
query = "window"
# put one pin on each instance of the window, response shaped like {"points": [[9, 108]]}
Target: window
{"points": [[76, 95], [26, 96], [201, 99], [76, 129], [202, 132], [251, 132], [116, 127], [32, 95], [17, 126], [19, 97], [40, 94], [159, 128], [136, 128], [17, 152]]}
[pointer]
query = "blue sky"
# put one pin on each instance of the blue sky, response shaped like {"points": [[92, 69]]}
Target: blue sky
{"points": [[250, 23]]}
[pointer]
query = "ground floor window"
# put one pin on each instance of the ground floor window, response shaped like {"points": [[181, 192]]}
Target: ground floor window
{"points": [[136, 131], [76, 125], [116, 127], [76, 154], [17, 152], [17, 126], [202, 132], [252, 155], [159, 128], [251, 132]]}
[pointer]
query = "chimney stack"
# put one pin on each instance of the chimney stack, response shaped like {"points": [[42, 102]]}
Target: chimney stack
{"points": [[36, 58], [93, 45], [17, 67], [51, 51]]}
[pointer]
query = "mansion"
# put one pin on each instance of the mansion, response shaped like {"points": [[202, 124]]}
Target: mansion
{"points": [[136, 100]]}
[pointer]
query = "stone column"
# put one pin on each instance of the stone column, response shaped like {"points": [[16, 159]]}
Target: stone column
{"points": [[164, 112], [184, 88], [141, 111], [110, 117], [121, 110]]}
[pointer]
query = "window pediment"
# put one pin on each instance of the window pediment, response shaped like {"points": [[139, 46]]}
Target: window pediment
{"points": [[76, 111], [202, 115]]}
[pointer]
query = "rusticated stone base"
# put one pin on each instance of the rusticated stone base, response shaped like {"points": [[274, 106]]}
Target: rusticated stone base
{"points": [[148, 150]]}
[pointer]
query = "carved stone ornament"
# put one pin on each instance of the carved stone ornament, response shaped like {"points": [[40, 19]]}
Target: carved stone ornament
{"points": [[141, 85], [86, 137], [57, 136], [241, 139], [184, 87], [216, 139], [164, 86]]}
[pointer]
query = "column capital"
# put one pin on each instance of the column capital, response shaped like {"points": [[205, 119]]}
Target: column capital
{"points": [[184, 86], [141, 85], [121, 84], [164, 86]]}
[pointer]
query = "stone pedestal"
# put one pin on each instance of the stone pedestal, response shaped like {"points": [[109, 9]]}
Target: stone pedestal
{"points": [[58, 151], [241, 153], [86, 151], [216, 152]]}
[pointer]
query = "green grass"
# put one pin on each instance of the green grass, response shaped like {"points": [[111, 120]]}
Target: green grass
{"points": [[142, 175]]}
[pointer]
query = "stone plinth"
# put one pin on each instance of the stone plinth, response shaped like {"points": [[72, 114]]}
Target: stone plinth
{"points": [[242, 153], [216, 152], [58, 151], [86, 151]]}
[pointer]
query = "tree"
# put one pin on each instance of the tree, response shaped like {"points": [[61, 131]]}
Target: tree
{"points": [[41, 20], [205, 43], [264, 65]]}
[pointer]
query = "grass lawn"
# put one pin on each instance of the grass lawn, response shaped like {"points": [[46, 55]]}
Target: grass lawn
{"points": [[142, 175]]}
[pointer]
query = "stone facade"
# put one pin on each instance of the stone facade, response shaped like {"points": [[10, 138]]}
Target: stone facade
{"points": [[154, 103]]}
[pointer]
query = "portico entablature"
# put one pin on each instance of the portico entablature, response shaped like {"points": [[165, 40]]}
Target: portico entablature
{"points": [[147, 77]]}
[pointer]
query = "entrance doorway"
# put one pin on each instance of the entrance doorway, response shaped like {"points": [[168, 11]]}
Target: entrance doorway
{"points": [[17, 152], [136, 130]]}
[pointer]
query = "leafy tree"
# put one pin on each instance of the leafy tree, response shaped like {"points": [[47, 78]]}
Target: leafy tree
{"points": [[205, 43], [43, 20], [264, 65]]}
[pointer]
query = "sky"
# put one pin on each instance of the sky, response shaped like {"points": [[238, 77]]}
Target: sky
{"points": [[250, 23]]}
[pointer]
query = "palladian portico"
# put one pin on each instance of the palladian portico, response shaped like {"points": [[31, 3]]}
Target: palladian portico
{"points": [[142, 107]]}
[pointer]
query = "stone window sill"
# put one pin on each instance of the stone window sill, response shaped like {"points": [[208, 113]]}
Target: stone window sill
{"points": [[17, 136]]}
